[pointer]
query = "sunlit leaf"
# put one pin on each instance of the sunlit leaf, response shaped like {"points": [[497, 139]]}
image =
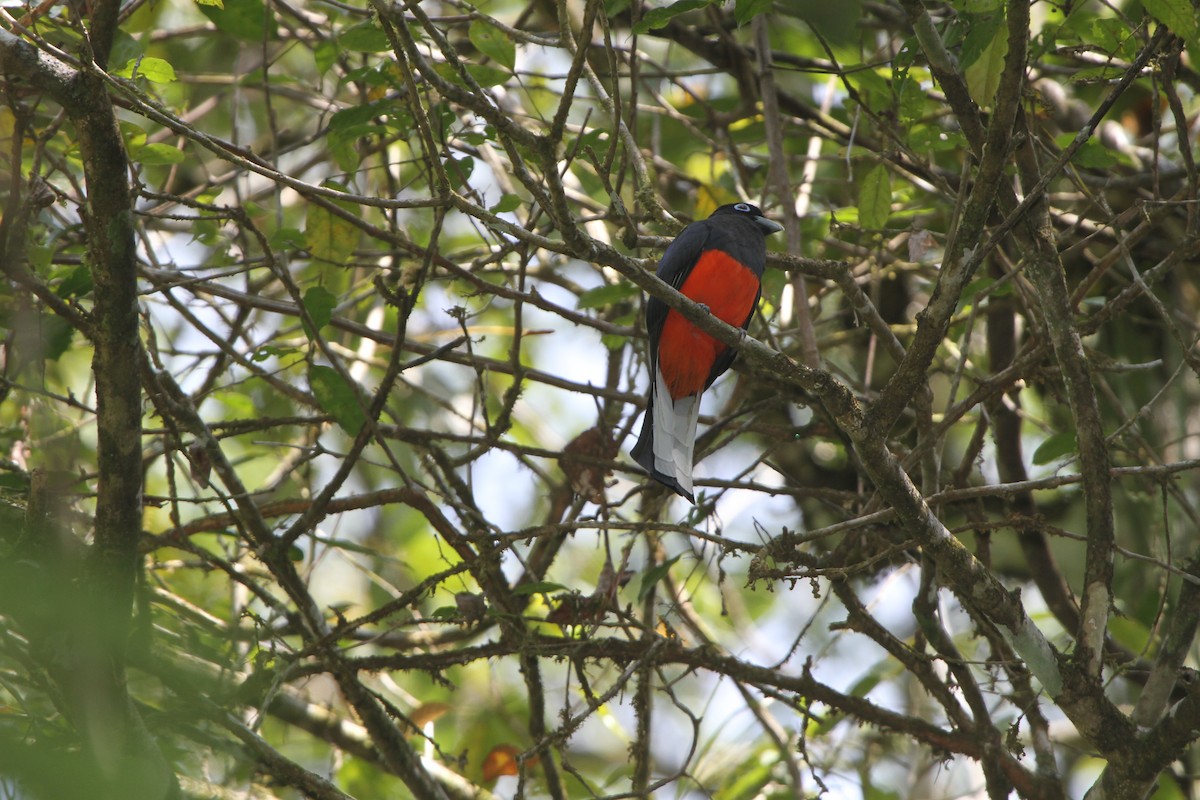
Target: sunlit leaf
{"points": [[155, 70]]}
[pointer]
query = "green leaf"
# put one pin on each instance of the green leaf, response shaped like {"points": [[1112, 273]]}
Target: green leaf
{"points": [[57, 334], [76, 283], [753, 773], [746, 10], [1095, 75], [1178, 15], [493, 43], [1093, 155], [980, 31], [594, 137], [125, 48], [911, 99], [659, 17], [875, 198], [977, 6], [935, 139], [486, 75], [459, 170], [1114, 37], [155, 70], [365, 37], [1168, 790], [326, 54], [839, 21], [873, 90], [613, 341], [216, 3], [244, 19], [157, 155], [1055, 447], [445, 613], [39, 337], [329, 237], [1129, 632], [354, 116], [337, 398], [538, 587], [507, 203], [983, 75], [606, 295], [39, 257], [654, 576], [287, 239], [268, 351], [319, 302]]}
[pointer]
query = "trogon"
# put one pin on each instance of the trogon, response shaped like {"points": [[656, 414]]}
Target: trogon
{"points": [[718, 262]]}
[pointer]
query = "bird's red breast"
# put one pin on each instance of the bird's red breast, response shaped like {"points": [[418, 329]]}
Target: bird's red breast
{"points": [[685, 353]]}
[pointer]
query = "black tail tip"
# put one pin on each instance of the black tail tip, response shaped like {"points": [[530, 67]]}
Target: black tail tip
{"points": [[673, 485]]}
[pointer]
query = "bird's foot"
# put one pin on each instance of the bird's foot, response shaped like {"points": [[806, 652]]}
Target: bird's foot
{"points": [[707, 310]]}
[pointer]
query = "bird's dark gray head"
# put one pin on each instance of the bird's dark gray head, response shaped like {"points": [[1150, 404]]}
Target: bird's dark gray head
{"points": [[754, 213]]}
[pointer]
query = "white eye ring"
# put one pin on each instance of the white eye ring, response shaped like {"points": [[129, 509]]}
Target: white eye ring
{"points": [[741, 207]]}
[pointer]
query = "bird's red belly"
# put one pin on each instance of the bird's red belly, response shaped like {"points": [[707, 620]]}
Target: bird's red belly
{"points": [[685, 353]]}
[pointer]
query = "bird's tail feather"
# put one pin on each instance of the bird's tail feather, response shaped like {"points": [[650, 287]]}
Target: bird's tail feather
{"points": [[674, 434]]}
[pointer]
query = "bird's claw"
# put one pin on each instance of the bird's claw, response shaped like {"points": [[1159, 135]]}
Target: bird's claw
{"points": [[705, 308]]}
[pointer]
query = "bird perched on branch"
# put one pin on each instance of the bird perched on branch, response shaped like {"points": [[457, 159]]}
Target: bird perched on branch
{"points": [[719, 263]]}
